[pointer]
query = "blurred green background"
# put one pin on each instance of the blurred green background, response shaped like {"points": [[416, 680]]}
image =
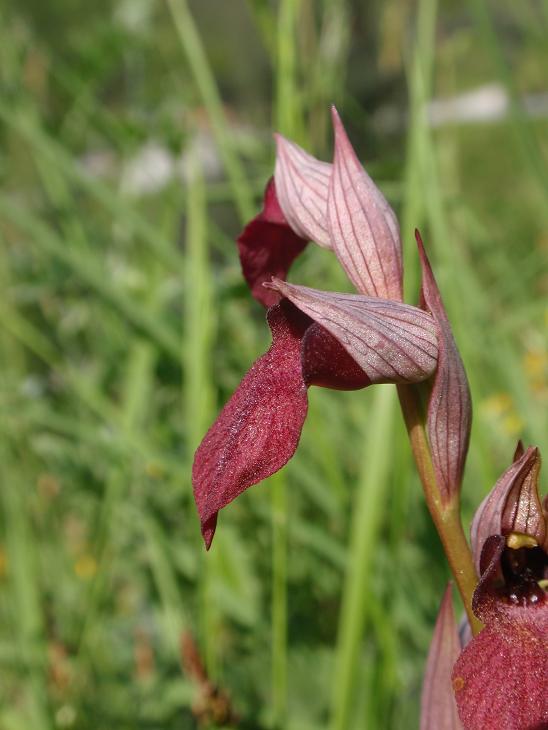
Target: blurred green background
{"points": [[135, 142]]}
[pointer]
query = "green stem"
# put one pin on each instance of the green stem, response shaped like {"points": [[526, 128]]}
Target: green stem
{"points": [[445, 515], [288, 106], [279, 600]]}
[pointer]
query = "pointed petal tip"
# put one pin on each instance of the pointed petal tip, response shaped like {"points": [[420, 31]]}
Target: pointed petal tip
{"points": [[342, 142], [422, 251], [207, 538], [363, 228], [520, 450], [208, 525], [335, 116], [280, 141]]}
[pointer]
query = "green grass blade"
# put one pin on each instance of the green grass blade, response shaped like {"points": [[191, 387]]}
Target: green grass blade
{"points": [[364, 535], [205, 81]]}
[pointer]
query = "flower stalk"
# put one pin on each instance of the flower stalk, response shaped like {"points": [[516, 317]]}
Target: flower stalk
{"points": [[445, 515]]}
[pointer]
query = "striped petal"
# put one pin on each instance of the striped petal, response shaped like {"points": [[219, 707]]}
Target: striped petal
{"points": [[449, 417], [392, 342], [302, 183], [438, 707], [363, 229], [513, 505]]}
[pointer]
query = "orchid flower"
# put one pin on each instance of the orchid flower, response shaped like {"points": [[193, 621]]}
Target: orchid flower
{"points": [[500, 679], [339, 341]]}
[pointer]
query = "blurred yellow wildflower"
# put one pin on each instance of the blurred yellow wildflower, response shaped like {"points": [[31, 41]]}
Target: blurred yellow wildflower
{"points": [[535, 365], [154, 470], [500, 412], [85, 567], [3, 563]]}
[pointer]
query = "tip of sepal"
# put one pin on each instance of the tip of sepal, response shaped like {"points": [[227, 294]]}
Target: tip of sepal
{"points": [[342, 143], [208, 531], [520, 450], [335, 116], [363, 228]]}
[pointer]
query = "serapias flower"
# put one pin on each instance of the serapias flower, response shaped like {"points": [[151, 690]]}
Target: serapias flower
{"points": [[340, 341], [501, 678]]}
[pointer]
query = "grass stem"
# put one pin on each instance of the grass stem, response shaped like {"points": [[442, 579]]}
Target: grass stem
{"points": [[364, 534]]}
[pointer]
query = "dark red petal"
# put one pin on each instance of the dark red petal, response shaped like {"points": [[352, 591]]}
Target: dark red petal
{"points": [[438, 708], [501, 679], [268, 247], [258, 430], [326, 363], [450, 407]]}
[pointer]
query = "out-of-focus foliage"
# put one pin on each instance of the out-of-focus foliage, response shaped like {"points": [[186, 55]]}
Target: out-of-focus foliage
{"points": [[135, 138]]}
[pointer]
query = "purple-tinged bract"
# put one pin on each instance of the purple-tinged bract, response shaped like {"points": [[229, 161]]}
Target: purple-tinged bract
{"points": [[438, 708], [449, 417]]}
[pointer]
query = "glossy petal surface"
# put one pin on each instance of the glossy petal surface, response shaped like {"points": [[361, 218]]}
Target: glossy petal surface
{"points": [[302, 183], [390, 341], [259, 428], [438, 708], [449, 418], [267, 247], [363, 229]]}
